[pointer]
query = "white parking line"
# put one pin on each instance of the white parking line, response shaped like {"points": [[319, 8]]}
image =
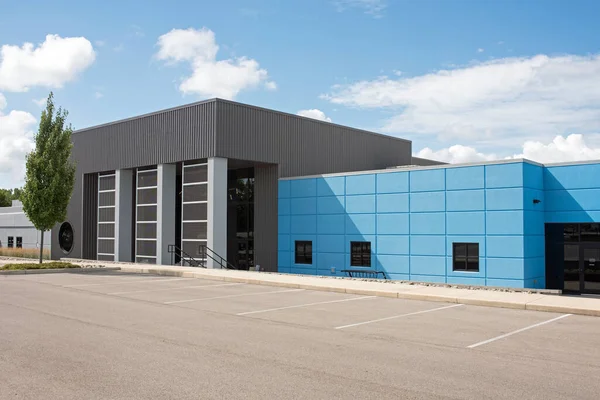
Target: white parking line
{"points": [[149, 280], [231, 295], [176, 288], [517, 331], [398, 316], [306, 305]]}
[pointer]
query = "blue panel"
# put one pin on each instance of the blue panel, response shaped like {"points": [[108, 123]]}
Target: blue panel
{"points": [[303, 271], [283, 190], [466, 239], [535, 283], [362, 238], [427, 202], [331, 224], [465, 280], [427, 265], [364, 204], [504, 175], [428, 224], [398, 277], [534, 223], [283, 224], [329, 260], [306, 205], [505, 246], [333, 186], [428, 278], [327, 272], [427, 180], [360, 184], [465, 178], [393, 264], [529, 195], [535, 267], [331, 244], [534, 246], [393, 224], [283, 270], [283, 207], [284, 259], [517, 284], [573, 216], [331, 205], [573, 200], [390, 203], [393, 245], [465, 223], [533, 176], [504, 199], [283, 242], [571, 177], [395, 182], [505, 268], [303, 188], [428, 245], [465, 200], [505, 222], [363, 224], [306, 224]]}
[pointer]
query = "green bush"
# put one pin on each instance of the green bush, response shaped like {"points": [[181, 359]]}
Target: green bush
{"points": [[50, 265]]}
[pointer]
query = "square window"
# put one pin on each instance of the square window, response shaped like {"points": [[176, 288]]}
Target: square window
{"points": [[19, 242], [360, 254], [465, 257], [11, 241], [303, 252]]}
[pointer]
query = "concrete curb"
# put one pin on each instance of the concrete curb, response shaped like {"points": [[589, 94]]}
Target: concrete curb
{"points": [[339, 288], [57, 270]]}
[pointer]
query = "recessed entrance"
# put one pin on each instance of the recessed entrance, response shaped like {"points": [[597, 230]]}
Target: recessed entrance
{"points": [[240, 218]]}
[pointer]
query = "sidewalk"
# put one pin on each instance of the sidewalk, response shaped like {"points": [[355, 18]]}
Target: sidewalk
{"points": [[537, 301]]}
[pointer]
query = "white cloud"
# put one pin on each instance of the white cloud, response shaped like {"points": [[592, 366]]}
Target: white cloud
{"points": [[210, 77], [51, 64], [371, 7], [561, 149], [480, 50], [16, 140], [494, 102], [315, 114], [40, 102]]}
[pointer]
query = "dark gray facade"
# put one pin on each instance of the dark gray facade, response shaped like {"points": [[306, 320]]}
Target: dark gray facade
{"points": [[276, 144]]}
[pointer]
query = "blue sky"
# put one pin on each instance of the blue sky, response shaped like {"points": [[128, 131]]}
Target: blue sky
{"points": [[465, 80]]}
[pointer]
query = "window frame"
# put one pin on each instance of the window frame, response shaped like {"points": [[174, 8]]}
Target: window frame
{"points": [[363, 259], [19, 242], [10, 242], [461, 263], [303, 257]]}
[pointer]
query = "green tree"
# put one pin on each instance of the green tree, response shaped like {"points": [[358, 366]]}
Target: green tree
{"points": [[50, 174], [5, 198]]}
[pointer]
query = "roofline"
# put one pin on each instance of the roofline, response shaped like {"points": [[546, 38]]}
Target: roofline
{"points": [[401, 168], [237, 104], [567, 163]]}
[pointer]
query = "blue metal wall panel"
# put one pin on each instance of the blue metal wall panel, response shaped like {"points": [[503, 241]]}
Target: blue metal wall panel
{"points": [[360, 184], [335, 186], [504, 175], [393, 224], [360, 204], [392, 203], [331, 205], [396, 182], [465, 200], [428, 180], [465, 178]]}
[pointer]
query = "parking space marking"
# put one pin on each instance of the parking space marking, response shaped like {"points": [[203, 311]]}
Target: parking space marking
{"points": [[306, 305], [398, 316], [517, 331], [176, 288], [151, 280], [232, 295]]}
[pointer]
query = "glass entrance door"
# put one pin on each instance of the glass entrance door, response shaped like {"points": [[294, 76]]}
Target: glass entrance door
{"points": [[590, 269], [572, 268]]}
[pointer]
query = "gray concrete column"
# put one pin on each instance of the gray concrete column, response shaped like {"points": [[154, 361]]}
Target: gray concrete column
{"points": [[217, 208], [123, 215], [165, 218]]}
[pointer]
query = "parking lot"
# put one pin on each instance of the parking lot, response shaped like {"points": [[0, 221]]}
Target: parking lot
{"points": [[116, 335]]}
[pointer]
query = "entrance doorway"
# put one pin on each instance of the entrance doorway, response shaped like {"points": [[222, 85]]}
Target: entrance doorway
{"points": [[240, 217], [582, 268]]}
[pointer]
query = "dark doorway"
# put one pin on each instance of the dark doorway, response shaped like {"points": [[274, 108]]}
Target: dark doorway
{"points": [[573, 257], [240, 216]]}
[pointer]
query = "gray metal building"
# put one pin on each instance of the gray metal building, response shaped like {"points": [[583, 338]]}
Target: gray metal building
{"points": [[204, 174], [17, 231]]}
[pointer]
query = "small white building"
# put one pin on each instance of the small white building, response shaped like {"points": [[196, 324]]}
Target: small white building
{"points": [[17, 231]]}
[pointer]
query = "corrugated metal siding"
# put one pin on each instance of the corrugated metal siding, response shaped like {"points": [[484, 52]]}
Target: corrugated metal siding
{"points": [[170, 136], [89, 225], [265, 217], [300, 145]]}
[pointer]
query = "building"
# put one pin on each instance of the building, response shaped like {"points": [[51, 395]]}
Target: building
{"points": [[16, 231], [221, 180]]}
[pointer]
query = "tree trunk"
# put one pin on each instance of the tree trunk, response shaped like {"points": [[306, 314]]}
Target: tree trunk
{"points": [[42, 248]]}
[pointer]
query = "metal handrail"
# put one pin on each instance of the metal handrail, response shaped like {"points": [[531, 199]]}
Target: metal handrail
{"points": [[223, 263], [173, 249]]}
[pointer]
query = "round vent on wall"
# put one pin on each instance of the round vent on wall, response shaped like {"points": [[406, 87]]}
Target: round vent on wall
{"points": [[65, 237]]}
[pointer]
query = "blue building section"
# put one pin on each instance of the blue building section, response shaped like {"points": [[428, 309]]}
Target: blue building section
{"points": [[412, 221]]}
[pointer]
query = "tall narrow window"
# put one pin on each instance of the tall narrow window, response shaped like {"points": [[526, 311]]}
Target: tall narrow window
{"points": [[19, 242], [11, 241], [465, 257], [360, 254], [303, 252]]}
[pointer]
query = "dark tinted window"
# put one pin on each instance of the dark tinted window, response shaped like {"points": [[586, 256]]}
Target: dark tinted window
{"points": [[303, 252], [360, 254], [465, 257]]}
